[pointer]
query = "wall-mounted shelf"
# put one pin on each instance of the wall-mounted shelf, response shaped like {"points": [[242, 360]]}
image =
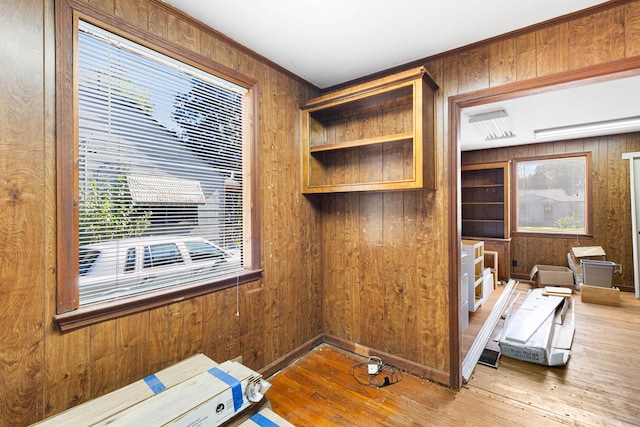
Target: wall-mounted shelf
{"points": [[370, 137]]}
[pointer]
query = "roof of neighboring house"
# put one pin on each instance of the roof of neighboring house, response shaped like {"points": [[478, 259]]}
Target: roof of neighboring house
{"points": [[555, 194]]}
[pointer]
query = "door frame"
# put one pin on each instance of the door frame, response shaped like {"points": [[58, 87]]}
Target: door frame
{"points": [[627, 67]]}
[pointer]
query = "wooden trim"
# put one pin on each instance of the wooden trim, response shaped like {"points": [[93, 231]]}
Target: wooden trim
{"points": [[232, 43], [609, 71], [69, 313], [588, 195], [255, 243], [95, 313], [67, 253], [455, 250], [291, 356], [122, 28], [410, 366], [621, 68], [482, 43], [367, 87]]}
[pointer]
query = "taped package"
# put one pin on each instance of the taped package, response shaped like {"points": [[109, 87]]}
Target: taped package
{"points": [[540, 331]]}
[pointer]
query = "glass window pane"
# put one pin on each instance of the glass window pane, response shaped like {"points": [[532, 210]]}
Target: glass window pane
{"points": [[160, 157], [552, 195]]}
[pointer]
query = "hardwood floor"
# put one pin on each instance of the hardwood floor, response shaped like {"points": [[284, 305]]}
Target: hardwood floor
{"points": [[599, 386]]}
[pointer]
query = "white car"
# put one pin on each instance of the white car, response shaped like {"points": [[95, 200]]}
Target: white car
{"points": [[122, 267]]}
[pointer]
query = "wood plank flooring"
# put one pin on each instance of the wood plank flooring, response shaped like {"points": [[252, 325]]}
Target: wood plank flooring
{"points": [[599, 386]]}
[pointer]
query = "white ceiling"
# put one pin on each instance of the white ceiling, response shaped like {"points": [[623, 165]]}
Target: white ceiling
{"points": [[333, 41], [604, 101], [336, 41]]}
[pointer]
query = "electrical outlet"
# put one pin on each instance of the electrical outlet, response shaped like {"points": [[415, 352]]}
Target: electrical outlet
{"points": [[514, 263]]}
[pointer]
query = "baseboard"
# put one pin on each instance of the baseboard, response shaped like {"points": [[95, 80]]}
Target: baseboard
{"points": [[409, 366], [293, 355], [406, 365]]}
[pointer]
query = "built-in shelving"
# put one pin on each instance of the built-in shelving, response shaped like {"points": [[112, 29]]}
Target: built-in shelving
{"points": [[485, 189], [374, 136]]}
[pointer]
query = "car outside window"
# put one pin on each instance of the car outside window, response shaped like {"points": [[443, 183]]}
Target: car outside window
{"points": [[163, 254], [200, 251], [130, 263]]}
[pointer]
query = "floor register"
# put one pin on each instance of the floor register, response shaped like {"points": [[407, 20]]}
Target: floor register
{"points": [[197, 392]]}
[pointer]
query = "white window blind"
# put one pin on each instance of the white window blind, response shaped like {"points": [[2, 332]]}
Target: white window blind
{"points": [[160, 169]]}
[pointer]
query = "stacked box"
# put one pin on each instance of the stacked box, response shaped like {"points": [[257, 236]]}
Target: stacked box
{"points": [[549, 332], [194, 392], [597, 273], [206, 400], [96, 410], [266, 417], [551, 275]]}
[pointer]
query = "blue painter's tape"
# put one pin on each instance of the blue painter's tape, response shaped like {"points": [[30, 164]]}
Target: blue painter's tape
{"points": [[263, 421], [154, 384], [236, 387]]}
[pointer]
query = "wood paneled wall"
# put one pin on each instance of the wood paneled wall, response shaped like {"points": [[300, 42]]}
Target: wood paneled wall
{"points": [[386, 256], [376, 264], [611, 214], [42, 371]]}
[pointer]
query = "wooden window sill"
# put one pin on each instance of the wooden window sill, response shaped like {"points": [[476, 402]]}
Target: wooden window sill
{"points": [[99, 312]]}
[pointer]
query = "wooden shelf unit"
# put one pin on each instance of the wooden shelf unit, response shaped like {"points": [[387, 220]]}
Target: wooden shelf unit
{"points": [[485, 200], [370, 137], [474, 268], [486, 211]]}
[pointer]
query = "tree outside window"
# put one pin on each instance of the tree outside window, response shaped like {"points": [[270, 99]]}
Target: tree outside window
{"points": [[552, 195]]}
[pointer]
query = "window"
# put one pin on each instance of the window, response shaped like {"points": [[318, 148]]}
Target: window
{"points": [[552, 195], [163, 152]]}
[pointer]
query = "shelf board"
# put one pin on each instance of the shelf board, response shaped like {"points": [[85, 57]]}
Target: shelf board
{"points": [[362, 142], [482, 203], [481, 186]]}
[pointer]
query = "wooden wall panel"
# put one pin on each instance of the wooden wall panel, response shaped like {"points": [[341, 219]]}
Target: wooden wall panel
{"points": [[383, 273], [597, 38], [543, 51], [611, 206], [552, 50], [22, 223], [526, 56], [102, 359], [50, 371], [632, 29], [502, 62]]}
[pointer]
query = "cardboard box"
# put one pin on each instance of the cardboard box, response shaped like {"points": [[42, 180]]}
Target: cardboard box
{"points": [[599, 295], [551, 275], [96, 410], [588, 252], [206, 400], [272, 419], [550, 343]]}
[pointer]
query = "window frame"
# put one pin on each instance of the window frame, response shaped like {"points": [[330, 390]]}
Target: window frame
{"points": [[588, 233], [69, 314]]}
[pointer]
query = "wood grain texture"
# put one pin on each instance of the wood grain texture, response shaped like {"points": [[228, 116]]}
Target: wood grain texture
{"points": [[502, 62], [610, 193], [44, 372], [597, 38], [552, 50], [22, 228], [594, 388]]}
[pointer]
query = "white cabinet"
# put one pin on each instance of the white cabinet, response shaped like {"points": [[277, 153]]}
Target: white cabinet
{"points": [[474, 268], [464, 294]]}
